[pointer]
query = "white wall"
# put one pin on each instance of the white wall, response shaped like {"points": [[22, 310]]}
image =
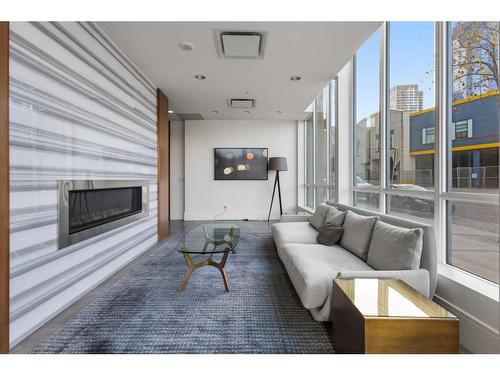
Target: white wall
{"points": [[176, 170], [205, 198]]}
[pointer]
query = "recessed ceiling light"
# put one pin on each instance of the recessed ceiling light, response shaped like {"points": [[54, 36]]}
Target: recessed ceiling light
{"points": [[246, 112], [278, 112], [215, 112], [170, 111], [186, 46], [295, 78], [201, 77]]}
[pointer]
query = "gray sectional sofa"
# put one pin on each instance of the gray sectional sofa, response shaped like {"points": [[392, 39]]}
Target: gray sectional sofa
{"points": [[312, 266]]}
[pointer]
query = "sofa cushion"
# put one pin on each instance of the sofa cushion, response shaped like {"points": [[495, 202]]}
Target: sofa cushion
{"points": [[290, 232], [395, 248], [319, 216], [335, 217], [357, 233], [329, 234], [311, 268]]}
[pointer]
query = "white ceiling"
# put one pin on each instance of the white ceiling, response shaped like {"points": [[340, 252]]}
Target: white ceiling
{"points": [[314, 50]]}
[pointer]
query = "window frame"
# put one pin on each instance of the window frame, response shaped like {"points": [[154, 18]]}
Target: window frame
{"points": [[442, 193], [329, 186], [381, 102], [446, 195], [306, 161], [425, 134], [469, 130]]}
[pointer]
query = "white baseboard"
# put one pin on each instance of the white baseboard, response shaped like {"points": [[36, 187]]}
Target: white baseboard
{"points": [[230, 215]]}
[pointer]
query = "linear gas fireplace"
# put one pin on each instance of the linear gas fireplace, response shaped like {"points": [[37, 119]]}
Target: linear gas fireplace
{"points": [[91, 207]]}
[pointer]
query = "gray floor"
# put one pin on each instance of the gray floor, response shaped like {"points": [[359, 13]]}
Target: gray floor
{"points": [[51, 327], [66, 319], [263, 310]]}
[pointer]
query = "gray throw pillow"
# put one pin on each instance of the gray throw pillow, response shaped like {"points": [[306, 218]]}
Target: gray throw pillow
{"points": [[395, 248], [335, 217], [357, 233], [329, 234], [319, 216]]}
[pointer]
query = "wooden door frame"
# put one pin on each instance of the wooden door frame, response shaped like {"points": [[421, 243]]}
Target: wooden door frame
{"points": [[4, 187], [163, 165]]}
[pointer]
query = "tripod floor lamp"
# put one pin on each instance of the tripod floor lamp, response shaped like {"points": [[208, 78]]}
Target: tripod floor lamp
{"points": [[277, 164]]}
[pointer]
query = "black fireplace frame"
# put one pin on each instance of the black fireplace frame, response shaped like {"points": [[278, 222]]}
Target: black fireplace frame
{"points": [[65, 238]]}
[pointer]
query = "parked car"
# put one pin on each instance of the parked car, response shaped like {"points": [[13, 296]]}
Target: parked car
{"points": [[416, 206], [371, 198], [400, 203]]}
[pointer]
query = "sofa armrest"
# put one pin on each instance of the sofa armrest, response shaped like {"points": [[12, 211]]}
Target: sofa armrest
{"points": [[417, 279], [294, 218]]}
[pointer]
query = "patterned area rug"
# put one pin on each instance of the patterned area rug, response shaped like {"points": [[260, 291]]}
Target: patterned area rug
{"points": [[144, 313]]}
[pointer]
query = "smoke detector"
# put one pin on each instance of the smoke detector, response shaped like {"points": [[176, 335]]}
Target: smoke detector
{"points": [[237, 44]]}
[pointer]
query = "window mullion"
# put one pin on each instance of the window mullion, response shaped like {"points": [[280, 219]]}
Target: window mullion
{"points": [[328, 141], [352, 128], [441, 136], [305, 162], [383, 126], [336, 137], [314, 152]]}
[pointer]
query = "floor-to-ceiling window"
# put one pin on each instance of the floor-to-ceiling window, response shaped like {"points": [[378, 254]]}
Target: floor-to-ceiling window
{"points": [[411, 119], [332, 134], [309, 170], [426, 147], [472, 148], [366, 162], [320, 149], [321, 145]]}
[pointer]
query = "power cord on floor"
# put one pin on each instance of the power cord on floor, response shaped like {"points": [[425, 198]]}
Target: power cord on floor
{"points": [[220, 213]]}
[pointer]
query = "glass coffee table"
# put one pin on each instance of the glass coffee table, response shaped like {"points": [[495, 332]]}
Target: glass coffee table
{"points": [[208, 239]]}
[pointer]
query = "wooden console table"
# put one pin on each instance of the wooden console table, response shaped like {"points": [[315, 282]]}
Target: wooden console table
{"points": [[388, 316]]}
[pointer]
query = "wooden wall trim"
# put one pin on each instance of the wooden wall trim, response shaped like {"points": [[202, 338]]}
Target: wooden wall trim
{"points": [[163, 165], [4, 187]]}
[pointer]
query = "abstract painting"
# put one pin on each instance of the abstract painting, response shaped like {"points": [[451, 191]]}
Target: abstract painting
{"points": [[240, 163]]}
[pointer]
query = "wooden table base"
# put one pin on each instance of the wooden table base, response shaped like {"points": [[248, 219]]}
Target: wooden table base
{"points": [[208, 262]]}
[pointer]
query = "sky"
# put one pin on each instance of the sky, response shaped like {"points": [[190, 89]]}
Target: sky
{"points": [[411, 61]]}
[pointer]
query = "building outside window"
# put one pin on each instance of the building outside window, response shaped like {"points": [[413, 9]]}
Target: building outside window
{"points": [[366, 163], [472, 226], [407, 98], [474, 128], [407, 182], [428, 135], [463, 129]]}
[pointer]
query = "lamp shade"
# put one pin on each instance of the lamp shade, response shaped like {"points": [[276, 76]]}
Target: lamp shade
{"points": [[277, 164]]}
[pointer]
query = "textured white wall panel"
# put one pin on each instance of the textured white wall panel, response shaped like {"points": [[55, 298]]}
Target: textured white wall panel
{"points": [[79, 109]]}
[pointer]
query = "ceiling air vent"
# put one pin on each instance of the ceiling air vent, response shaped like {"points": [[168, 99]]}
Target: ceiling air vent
{"points": [[233, 44], [241, 103], [190, 116]]}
